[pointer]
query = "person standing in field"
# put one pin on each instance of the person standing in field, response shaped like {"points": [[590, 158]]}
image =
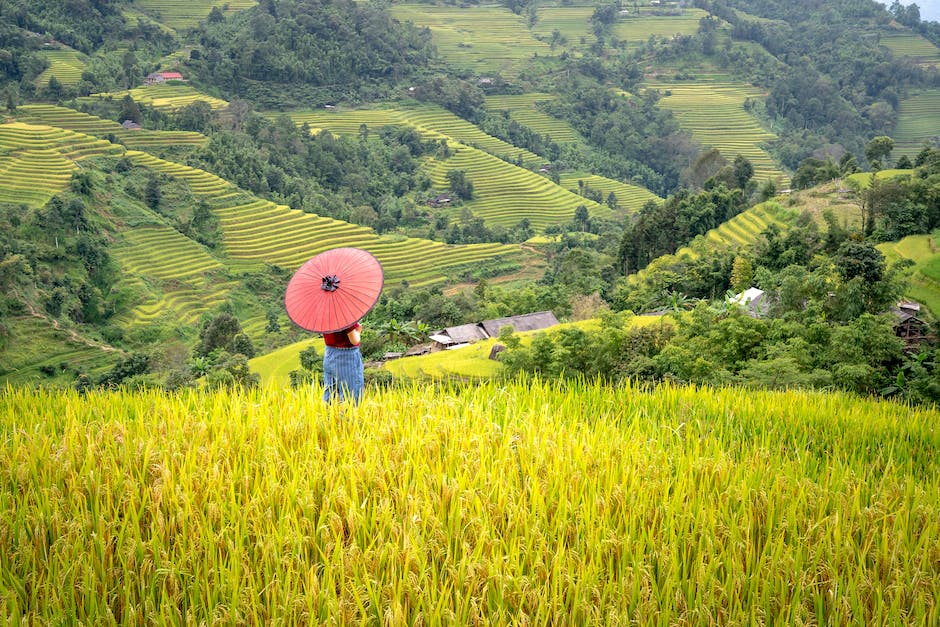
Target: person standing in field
{"points": [[342, 365]]}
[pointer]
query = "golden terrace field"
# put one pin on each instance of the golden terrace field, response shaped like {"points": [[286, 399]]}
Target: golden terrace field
{"points": [[543, 504]]}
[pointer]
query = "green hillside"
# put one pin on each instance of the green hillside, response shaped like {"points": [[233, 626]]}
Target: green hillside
{"points": [[504, 193], [638, 29], [918, 122], [181, 14], [505, 502], [431, 121], [524, 110], [164, 97], [924, 251], [66, 65], [72, 120], [629, 197], [912, 46], [714, 113], [483, 39]]}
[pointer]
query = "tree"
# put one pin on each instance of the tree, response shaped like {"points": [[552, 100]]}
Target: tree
{"points": [[217, 333], [195, 116], [215, 16], [152, 193], [878, 150], [460, 184], [859, 259], [743, 171], [130, 110]]}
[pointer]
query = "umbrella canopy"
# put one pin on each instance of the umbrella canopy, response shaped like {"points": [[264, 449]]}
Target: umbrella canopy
{"points": [[334, 290]]}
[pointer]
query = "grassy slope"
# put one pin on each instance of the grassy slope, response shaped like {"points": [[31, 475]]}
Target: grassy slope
{"points": [[484, 39], [714, 113], [924, 251], [508, 503], [66, 65], [163, 97], [504, 193], [179, 14]]}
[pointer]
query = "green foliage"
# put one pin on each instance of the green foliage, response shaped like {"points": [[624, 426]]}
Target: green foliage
{"points": [[662, 229], [317, 50]]}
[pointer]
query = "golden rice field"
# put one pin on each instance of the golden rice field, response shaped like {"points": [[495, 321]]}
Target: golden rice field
{"points": [[524, 110], [37, 161], [188, 281], [431, 121], [180, 14], [630, 198], [66, 65], [501, 503], [485, 39], [163, 97], [504, 193], [714, 114], [77, 121], [918, 122], [256, 231]]}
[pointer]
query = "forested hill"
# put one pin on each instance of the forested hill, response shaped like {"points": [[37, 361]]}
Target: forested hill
{"points": [[326, 49]]}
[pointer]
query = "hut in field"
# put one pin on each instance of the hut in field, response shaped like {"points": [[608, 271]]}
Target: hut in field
{"points": [[131, 125], [909, 326], [456, 337]]}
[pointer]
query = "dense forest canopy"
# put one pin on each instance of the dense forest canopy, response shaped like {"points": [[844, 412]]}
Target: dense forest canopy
{"points": [[334, 48]]}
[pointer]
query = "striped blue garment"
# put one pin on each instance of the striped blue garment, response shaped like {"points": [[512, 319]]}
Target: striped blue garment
{"points": [[342, 374]]}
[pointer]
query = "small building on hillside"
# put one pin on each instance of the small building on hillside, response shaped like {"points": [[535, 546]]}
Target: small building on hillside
{"points": [[131, 125], [455, 337], [753, 300], [441, 200], [157, 78]]}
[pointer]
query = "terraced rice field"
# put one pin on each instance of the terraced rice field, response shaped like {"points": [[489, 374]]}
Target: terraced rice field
{"points": [[431, 121], [630, 198], [38, 161], [742, 230], [66, 65], [504, 194], [924, 251], [188, 13], [912, 46], [715, 115], [524, 110], [640, 29], [77, 121], [258, 231], [177, 268], [164, 97], [918, 122], [484, 39], [572, 23], [739, 232]]}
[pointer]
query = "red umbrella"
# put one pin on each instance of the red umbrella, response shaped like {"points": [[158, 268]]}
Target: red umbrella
{"points": [[334, 290]]}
